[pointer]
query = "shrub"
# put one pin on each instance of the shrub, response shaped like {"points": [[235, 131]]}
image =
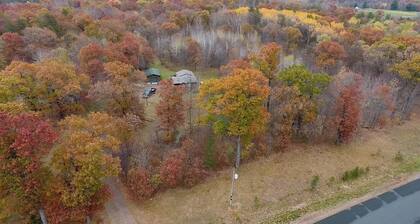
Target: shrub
{"points": [[314, 182], [354, 174], [210, 154], [399, 157], [194, 173], [172, 169], [257, 202], [139, 184]]}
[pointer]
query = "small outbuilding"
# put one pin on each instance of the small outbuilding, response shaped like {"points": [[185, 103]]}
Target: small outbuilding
{"points": [[184, 77], [153, 75]]}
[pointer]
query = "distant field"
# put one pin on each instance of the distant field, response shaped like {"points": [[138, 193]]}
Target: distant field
{"points": [[394, 13]]}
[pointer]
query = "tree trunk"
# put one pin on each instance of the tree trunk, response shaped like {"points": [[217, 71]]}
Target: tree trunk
{"points": [[407, 100], [408, 103], [43, 217], [88, 221], [235, 169]]}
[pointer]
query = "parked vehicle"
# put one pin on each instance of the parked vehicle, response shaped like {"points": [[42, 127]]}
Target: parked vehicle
{"points": [[148, 92]]}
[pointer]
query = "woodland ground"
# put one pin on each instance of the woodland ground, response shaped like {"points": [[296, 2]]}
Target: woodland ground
{"points": [[277, 189]]}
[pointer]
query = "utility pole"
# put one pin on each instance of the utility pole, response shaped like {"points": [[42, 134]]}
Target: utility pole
{"points": [[235, 174], [190, 106]]}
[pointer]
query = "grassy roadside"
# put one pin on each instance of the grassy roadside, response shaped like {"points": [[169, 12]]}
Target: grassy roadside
{"points": [[277, 189], [407, 167]]}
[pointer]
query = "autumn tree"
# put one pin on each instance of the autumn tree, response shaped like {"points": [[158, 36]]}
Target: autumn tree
{"points": [[234, 64], [81, 161], [25, 140], [235, 105], [267, 61], [382, 55], [194, 53], [294, 36], [172, 169], [61, 87], [288, 103], [117, 94], [182, 166], [13, 47], [328, 54], [51, 87], [91, 59], [309, 85], [379, 106], [409, 71], [131, 50], [169, 28], [139, 184], [38, 41], [371, 34], [348, 105], [170, 109], [49, 21]]}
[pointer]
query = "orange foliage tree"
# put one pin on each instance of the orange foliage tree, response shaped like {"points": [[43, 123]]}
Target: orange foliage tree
{"points": [[194, 53], [267, 60], [328, 53], [371, 34], [81, 161], [234, 64], [171, 108]]}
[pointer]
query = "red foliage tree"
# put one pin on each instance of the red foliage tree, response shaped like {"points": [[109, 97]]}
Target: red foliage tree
{"points": [[194, 173], [131, 50], [58, 213], [139, 184], [348, 110], [24, 140], [13, 48], [183, 166], [172, 169], [91, 60]]}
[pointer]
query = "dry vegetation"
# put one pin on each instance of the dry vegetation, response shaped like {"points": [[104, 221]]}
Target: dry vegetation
{"points": [[271, 186]]}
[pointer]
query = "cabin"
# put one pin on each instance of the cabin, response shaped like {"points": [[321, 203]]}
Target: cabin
{"points": [[184, 77], [153, 75]]}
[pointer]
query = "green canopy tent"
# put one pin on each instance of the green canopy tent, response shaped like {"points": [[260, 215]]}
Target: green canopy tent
{"points": [[153, 75]]}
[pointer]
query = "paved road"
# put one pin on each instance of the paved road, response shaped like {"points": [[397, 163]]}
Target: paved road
{"points": [[399, 206]]}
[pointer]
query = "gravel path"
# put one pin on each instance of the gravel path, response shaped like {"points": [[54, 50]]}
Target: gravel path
{"points": [[116, 208]]}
